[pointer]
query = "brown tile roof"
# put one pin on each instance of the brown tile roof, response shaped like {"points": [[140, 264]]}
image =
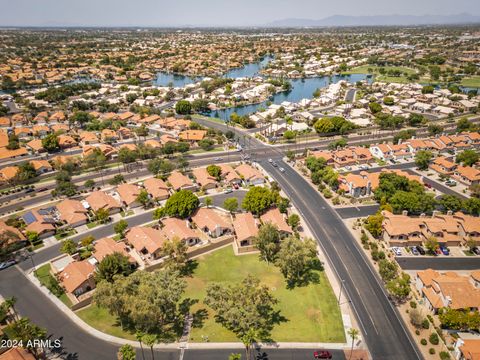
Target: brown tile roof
{"points": [[100, 200], [203, 177], [178, 180], [275, 217], [210, 219], [108, 246], [245, 226], [16, 234], [192, 135], [75, 274], [156, 187], [145, 238], [128, 193], [72, 211], [8, 173], [174, 227]]}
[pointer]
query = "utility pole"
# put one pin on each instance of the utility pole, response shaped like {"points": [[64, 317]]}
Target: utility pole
{"points": [[342, 283]]}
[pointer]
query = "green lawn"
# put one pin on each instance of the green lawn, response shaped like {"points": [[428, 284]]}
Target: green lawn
{"points": [[100, 319], [471, 82], [385, 78], [312, 312], [46, 279]]}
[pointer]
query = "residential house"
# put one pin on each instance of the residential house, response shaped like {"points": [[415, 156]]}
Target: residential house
{"points": [[210, 222], [11, 233], [181, 182], [447, 289], [40, 221], [174, 227], [204, 179], [128, 195], [72, 212], [229, 175], [467, 175], [157, 189], [147, 241], [78, 277], [276, 218], [192, 136], [107, 246], [41, 166], [443, 166], [246, 229], [8, 174], [250, 175], [100, 200]]}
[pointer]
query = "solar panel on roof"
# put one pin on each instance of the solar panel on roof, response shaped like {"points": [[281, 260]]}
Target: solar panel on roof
{"points": [[29, 218]]}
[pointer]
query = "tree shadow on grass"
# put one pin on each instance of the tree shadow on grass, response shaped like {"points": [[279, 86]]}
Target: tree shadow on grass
{"points": [[199, 318], [189, 268]]}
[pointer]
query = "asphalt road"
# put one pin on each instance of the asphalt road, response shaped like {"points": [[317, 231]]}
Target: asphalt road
{"points": [[439, 262], [357, 211], [379, 320]]}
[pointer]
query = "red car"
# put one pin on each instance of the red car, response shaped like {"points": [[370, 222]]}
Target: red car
{"points": [[322, 354]]}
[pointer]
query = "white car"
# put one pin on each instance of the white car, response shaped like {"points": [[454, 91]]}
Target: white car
{"points": [[270, 160], [397, 251], [281, 169], [218, 159], [7, 264]]}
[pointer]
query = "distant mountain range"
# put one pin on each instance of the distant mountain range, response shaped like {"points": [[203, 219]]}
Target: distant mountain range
{"points": [[379, 20]]}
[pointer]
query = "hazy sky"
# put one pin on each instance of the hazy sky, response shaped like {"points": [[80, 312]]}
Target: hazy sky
{"points": [[210, 12]]}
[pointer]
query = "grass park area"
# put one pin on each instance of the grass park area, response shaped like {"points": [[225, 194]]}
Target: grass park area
{"points": [[473, 82], [50, 282], [364, 69], [312, 312]]}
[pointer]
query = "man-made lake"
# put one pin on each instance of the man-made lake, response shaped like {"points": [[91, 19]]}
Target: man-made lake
{"points": [[249, 70], [301, 89]]}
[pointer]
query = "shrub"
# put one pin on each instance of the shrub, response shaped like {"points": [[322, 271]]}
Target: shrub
{"points": [[430, 318], [425, 324], [431, 351], [364, 237], [327, 193], [434, 339], [413, 304], [423, 341], [417, 332], [444, 355]]}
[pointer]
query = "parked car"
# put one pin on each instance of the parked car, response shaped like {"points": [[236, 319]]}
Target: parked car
{"points": [[450, 183], [29, 191], [414, 250], [397, 251], [7, 264], [364, 167], [42, 189], [444, 250], [348, 167], [438, 251], [218, 159], [270, 161], [274, 164], [322, 354], [281, 169], [428, 185], [421, 250], [228, 190], [235, 186], [476, 250]]}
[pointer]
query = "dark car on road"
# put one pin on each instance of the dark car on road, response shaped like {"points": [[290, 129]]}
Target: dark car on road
{"points": [[322, 354], [421, 250]]}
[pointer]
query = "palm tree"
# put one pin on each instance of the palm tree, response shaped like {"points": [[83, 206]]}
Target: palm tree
{"points": [[353, 335], [150, 340], [139, 336], [10, 304]]}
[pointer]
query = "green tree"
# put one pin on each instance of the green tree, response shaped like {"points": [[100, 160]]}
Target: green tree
{"points": [[258, 199], [415, 119], [150, 340], [120, 228], [208, 201], [183, 107], [13, 142], [25, 172], [68, 247], [144, 198], [294, 221], [117, 180], [150, 302], [434, 129], [181, 204], [467, 157], [23, 330], [375, 107], [450, 202], [175, 251], [353, 333], [247, 309], [422, 159], [231, 204], [459, 319], [215, 171], [289, 135], [374, 225], [295, 260], [399, 287], [87, 241], [51, 143], [160, 166], [112, 265], [472, 206], [102, 215], [89, 184], [206, 144], [33, 237], [268, 242], [126, 352], [431, 244], [388, 269]]}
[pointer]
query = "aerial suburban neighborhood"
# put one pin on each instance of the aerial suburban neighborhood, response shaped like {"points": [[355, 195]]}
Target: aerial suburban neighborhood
{"points": [[299, 189]]}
